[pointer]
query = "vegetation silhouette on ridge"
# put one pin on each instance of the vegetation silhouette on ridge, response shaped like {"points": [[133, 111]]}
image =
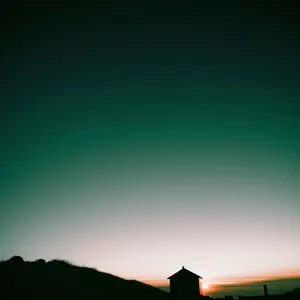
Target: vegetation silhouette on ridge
{"points": [[61, 279]]}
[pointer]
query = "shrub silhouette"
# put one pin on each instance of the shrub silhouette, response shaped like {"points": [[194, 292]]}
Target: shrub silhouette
{"points": [[17, 260]]}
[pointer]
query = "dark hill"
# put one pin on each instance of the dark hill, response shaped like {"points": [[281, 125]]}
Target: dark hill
{"points": [[59, 279]]}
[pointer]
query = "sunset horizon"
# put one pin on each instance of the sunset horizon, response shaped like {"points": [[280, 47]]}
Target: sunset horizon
{"points": [[221, 287], [213, 287]]}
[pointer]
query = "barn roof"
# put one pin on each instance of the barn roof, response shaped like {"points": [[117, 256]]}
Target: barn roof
{"points": [[184, 271]]}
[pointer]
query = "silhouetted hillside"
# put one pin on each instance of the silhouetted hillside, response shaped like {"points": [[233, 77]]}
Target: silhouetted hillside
{"points": [[59, 279]]}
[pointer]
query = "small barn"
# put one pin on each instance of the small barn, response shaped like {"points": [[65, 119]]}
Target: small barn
{"points": [[184, 284]]}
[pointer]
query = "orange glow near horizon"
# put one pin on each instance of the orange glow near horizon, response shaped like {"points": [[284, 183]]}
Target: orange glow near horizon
{"points": [[212, 284], [219, 287], [205, 285]]}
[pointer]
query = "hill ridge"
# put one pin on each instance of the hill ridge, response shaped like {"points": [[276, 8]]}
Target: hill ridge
{"points": [[61, 279]]}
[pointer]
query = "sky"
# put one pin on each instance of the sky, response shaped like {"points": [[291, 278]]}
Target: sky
{"points": [[138, 141]]}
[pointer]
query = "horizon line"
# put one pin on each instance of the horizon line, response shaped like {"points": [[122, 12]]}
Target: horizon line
{"points": [[228, 281]]}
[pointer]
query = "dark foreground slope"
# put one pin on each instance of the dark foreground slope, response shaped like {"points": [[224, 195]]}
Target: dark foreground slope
{"points": [[58, 279]]}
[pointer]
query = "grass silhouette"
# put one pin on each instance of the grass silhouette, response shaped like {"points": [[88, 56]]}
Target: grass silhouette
{"points": [[61, 279]]}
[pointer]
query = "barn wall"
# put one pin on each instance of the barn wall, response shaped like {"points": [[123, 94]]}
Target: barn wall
{"points": [[184, 286]]}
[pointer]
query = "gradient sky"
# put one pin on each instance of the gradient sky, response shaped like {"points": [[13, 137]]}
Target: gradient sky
{"points": [[138, 143]]}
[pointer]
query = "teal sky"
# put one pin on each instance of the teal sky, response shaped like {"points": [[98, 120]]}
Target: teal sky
{"points": [[140, 145]]}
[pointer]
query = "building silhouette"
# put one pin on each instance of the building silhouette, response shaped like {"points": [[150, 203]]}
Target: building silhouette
{"points": [[184, 284]]}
